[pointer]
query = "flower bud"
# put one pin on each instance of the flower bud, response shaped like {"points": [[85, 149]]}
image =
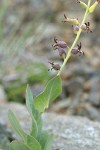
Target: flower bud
{"points": [[71, 21], [86, 27], [57, 44], [75, 29], [62, 44], [75, 50], [54, 66], [83, 26], [83, 5], [62, 52], [92, 8]]}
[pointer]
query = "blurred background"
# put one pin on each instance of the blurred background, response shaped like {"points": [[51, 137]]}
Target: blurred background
{"points": [[27, 29]]}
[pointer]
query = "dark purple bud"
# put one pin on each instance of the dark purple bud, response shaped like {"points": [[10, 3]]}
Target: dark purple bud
{"points": [[86, 27], [54, 66], [61, 52], [58, 44], [83, 27], [75, 50], [75, 29], [62, 44]]}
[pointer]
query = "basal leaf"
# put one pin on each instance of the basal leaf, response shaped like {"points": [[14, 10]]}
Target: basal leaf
{"points": [[52, 90], [29, 100], [45, 140], [15, 145], [36, 116], [15, 125], [33, 112], [32, 143]]}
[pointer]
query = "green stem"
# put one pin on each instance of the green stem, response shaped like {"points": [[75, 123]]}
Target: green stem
{"points": [[76, 39]]}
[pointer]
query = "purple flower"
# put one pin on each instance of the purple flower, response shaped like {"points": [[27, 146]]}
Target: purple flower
{"points": [[86, 27], [58, 43], [61, 51], [75, 28], [54, 66], [77, 50]]}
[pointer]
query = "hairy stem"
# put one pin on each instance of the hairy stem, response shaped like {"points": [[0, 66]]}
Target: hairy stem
{"points": [[76, 39]]}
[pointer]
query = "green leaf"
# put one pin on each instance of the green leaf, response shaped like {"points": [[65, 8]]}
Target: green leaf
{"points": [[32, 111], [52, 90], [29, 140], [36, 116], [45, 140], [29, 100], [15, 145], [15, 125], [32, 143]]}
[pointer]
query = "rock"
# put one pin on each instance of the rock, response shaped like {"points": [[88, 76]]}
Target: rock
{"points": [[3, 98], [96, 15], [73, 133], [94, 94], [95, 62], [70, 132], [74, 85], [4, 141], [87, 110]]}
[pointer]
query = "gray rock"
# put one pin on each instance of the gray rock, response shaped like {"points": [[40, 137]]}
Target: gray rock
{"points": [[94, 94], [96, 15], [4, 142], [3, 97], [70, 132], [73, 133]]}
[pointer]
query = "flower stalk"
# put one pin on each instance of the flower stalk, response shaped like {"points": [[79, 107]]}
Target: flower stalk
{"points": [[76, 39]]}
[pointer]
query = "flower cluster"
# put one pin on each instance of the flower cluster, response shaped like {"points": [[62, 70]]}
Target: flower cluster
{"points": [[62, 46]]}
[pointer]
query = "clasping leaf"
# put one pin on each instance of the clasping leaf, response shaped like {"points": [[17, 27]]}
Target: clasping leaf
{"points": [[52, 90]]}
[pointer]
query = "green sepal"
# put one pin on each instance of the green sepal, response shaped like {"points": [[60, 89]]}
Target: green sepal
{"points": [[83, 5], [92, 8]]}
